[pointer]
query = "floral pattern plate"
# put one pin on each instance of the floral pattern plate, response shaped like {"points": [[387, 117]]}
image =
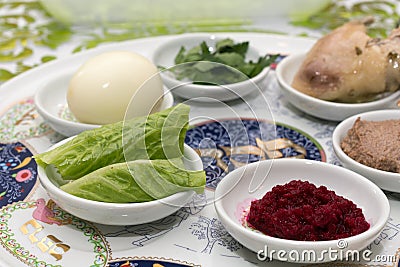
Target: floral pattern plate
{"points": [[34, 231]]}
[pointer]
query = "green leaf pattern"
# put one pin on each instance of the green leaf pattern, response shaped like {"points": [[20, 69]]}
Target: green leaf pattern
{"points": [[27, 27]]}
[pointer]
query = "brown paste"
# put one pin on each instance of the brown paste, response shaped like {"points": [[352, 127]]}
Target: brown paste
{"points": [[374, 143]]}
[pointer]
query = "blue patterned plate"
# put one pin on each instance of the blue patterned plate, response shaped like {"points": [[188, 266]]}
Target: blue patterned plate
{"points": [[18, 175], [227, 144]]}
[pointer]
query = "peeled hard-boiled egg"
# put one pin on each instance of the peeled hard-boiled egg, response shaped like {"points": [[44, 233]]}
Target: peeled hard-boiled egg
{"points": [[101, 90]]}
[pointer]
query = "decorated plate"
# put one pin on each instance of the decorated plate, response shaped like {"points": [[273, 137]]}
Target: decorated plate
{"points": [[36, 232], [30, 231], [227, 144], [18, 172]]}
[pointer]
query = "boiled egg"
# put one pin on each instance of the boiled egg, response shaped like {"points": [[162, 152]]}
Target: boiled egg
{"points": [[109, 84]]}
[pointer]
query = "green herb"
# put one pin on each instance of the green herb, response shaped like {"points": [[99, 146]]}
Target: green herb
{"points": [[157, 136], [137, 181], [227, 64], [133, 161]]}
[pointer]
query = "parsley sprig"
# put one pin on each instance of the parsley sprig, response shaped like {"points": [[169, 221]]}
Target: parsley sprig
{"points": [[223, 64]]}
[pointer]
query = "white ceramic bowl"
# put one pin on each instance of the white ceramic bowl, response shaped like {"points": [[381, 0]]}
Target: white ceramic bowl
{"points": [[120, 213], [386, 180], [164, 56], [328, 110], [51, 103], [239, 187]]}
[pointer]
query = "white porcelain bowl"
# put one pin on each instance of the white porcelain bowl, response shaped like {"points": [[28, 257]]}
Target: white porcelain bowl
{"points": [[328, 110], [386, 180], [120, 213], [238, 188], [164, 56], [51, 103]]}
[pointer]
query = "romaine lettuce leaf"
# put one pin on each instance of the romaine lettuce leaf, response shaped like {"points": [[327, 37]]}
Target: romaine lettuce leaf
{"points": [[157, 178], [157, 136]]}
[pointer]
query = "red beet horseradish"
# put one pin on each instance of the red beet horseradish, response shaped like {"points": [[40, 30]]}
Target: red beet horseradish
{"points": [[299, 210]]}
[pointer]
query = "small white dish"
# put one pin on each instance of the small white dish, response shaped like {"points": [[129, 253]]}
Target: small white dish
{"points": [[165, 54], [238, 188], [386, 180], [328, 110], [51, 103], [120, 213]]}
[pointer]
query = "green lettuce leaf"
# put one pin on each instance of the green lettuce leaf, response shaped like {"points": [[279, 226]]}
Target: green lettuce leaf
{"points": [[157, 136], [119, 183]]}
